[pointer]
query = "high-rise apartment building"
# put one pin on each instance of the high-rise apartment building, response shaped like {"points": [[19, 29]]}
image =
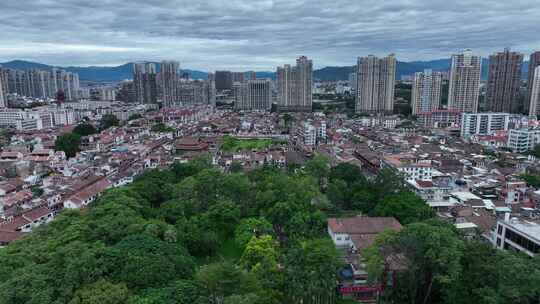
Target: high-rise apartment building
{"points": [[353, 81], [295, 86], [145, 82], [534, 62], [3, 102], [253, 95], [169, 79], [534, 108], [376, 79], [224, 80], [250, 75], [426, 92], [504, 79], [464, 88], [210, 89], [237, 77], [197, 92]]}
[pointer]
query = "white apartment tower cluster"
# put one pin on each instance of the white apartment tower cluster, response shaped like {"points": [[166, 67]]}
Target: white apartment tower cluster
{"points": [[426, 92], [376, 79], [40, 83], [464, 85], [295, 86]]}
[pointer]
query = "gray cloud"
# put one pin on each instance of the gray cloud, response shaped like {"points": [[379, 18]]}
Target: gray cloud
{"points": [[260, 34]]}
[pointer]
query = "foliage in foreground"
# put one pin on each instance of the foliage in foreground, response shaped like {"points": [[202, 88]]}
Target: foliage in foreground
{"points": [[192, 234], [159, 240]]}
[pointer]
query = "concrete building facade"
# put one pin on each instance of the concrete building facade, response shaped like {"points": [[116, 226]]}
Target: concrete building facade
{"points": [[426, 92], [504, 80], [145, 83], [253, 95], [375, 84], [483, 123], [534, 62], [169, 77], [534, 103], [464, 87], [294, 85]]}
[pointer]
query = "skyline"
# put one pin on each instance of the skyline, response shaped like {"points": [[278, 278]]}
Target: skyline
{"points": [[241, 35]]}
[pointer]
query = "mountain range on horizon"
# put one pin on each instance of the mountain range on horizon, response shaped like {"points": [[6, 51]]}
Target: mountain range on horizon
{"points": [[121, 72]]}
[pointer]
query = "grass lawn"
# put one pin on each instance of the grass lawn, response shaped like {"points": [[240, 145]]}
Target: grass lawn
{"points": [[231, 144]]}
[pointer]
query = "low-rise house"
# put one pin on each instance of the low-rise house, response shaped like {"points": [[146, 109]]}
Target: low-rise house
{"points": [[9, 156], [352, 235], [87, 195], [411, 166]]}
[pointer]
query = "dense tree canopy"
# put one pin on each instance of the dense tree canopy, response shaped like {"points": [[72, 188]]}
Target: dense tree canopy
{"points": [[107, 121], [69, 143], [85, 129], [193, 234], [170, 238]]}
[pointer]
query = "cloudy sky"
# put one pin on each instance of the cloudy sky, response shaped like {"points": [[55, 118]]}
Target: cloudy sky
{"points": [[260, 34]]}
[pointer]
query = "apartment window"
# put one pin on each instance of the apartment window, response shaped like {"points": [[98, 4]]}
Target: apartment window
{"points": [[499, 230], [498, 242], [338, 238], [522, 241]]}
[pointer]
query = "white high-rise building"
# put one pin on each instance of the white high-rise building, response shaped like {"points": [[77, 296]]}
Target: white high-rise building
{"points": [[253, 95], [3, 102], [295, 86], [534, 108], [464, 86], [376, 79], [169, 80], [426, 92]]}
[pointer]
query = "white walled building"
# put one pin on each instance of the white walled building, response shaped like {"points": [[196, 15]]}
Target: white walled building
{"points": [[517, 234], [64, 117], [411, 167], [312, 133], [8, 117], [523, 140], [483, 123]]}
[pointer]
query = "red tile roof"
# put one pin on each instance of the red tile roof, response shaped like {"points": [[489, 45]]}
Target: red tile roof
{"points": [[363, 225]]}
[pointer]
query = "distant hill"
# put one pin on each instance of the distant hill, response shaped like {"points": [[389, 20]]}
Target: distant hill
{"points": [[121, 72]]}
